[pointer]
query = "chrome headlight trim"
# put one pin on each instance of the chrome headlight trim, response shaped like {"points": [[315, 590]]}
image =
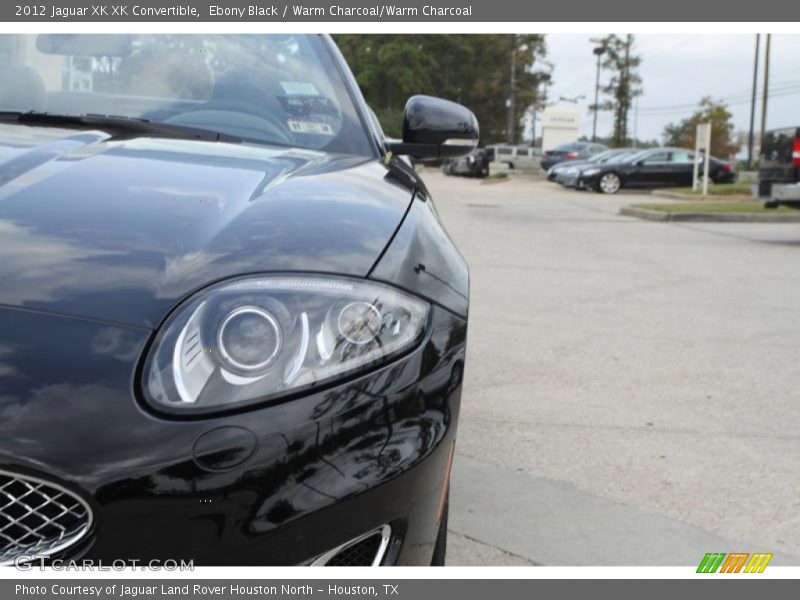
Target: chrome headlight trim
{"points": [[322, 329]]}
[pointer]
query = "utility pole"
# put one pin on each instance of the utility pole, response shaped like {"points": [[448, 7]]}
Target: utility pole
{"points": [[765, 97], [536, 100], [598, 52], [751, 137], [511, 129], [626, 98]]}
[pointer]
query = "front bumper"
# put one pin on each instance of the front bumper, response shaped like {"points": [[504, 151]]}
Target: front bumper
{"points": [[546, 164], [588, 182], [277, 485], [725, 177]]}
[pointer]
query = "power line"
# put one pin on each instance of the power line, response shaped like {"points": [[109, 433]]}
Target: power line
{"points": [[731, 98], [792, 91]]}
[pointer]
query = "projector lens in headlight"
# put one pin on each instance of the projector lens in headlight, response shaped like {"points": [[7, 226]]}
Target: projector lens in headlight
{"points": [[249, 338], [259, 338]]}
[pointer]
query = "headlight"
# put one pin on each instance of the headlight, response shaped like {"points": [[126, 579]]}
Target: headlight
{"points": [[259, 338], [590, 172]]}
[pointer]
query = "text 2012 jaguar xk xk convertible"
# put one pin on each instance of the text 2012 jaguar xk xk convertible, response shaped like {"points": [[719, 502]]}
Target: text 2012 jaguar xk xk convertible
{"points": [[232, 327]]}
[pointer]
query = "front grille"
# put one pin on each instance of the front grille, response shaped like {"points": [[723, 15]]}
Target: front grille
{"points": [[364, 551], [360, 554], [38, 517]]}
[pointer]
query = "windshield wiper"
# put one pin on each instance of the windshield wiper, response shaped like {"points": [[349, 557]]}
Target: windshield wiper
{"points": [[119, 127]]}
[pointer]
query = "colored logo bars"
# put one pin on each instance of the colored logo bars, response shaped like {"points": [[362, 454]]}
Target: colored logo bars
{"points": [[735, 562]]}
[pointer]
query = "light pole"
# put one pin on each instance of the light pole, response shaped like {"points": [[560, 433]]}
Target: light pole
{"points": [[750, 138], [598, 52], [765, 96], [511, 128], [545, 79]]}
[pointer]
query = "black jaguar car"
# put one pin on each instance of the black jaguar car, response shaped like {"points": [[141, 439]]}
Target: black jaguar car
{"points": [[656, 167], [232, 326]]}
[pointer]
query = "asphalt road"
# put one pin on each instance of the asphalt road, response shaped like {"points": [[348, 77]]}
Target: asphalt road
{"points": [[631, 392]]}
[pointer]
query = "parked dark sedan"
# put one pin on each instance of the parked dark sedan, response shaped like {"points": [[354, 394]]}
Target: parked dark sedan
{"points": [[232, 327], [657, 167], [558, 172], [580, 151]]}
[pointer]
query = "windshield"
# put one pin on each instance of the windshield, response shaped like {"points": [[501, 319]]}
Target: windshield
{"points": [[604, 156], [616, 157], [271, 89], [634, 156]]}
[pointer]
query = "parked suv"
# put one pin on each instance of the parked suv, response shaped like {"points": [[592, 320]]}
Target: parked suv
{"points": [[515, 157], [779, 174]]}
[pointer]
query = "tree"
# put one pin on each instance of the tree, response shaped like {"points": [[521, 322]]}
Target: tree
{"points": [[624, 85], [683, 133], [471, 69]]}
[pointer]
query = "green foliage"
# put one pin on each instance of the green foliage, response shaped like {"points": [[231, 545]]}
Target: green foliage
{"points": [[683, 133], [471, 69], [624, 85]]}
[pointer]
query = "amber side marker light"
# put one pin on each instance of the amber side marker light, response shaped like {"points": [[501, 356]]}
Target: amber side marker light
{"points": [[445, 482]]}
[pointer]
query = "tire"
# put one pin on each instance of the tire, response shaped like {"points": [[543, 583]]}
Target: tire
{"points": [[609, 183], [440, 549]]}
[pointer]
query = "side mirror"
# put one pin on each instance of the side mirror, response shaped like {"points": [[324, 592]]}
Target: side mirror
{"points": [[436, 128]]}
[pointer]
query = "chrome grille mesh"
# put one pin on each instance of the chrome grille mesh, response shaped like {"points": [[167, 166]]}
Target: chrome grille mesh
{"points": [[366, 550], [38, 517], [360, 554]]}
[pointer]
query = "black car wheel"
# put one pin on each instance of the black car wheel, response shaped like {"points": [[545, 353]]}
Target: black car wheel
{"points": [[440, 550], [609, 183]]}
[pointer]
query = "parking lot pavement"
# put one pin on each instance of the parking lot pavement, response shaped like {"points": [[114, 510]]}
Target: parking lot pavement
{"points": [[631, 388]]}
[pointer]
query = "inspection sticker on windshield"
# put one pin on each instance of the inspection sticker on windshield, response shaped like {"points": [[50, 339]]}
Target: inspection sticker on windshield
{"points": [[299, 88], [313, 127]]}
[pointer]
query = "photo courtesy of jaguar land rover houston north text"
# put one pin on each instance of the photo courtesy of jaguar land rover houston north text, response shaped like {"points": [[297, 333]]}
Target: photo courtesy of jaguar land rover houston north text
{"points": [[232, 326]]}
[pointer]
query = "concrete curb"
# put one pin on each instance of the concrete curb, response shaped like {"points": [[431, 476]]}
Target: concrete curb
{"points": [[672, 195], [691, 217], [679, 196]]}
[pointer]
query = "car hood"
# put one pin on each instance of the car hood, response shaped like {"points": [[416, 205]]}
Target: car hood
{"points": [[571, 164], [123, 229]]}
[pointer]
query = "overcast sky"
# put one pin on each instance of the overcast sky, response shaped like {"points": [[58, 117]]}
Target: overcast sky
{"points": [[678, 70]]}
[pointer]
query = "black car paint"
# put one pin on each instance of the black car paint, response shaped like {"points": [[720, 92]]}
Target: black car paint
{"points": [[134, 226], [325, 467], [104, 237], [635, 172]]}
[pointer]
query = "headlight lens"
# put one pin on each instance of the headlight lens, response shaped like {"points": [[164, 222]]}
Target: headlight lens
{"points": [[259, 338], [590, 172]]}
